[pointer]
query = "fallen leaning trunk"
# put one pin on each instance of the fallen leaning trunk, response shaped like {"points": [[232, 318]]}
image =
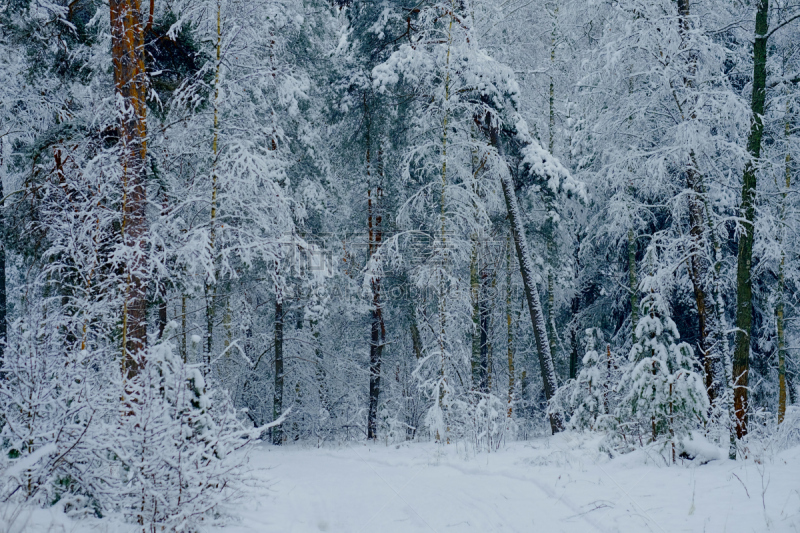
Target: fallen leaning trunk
{"points": [[531, 293]]}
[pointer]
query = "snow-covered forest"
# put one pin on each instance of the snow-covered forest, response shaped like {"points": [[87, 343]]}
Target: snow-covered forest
{"points": [[234, 230]]}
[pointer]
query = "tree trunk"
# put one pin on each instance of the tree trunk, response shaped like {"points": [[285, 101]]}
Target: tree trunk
{"points": [[162, 310], [574, 355], [3, 325], [374, 222], [697, 262], [744, 283], [443, 289], [211, 282], [550, 224], [633, 284], [416, 340], [277, 399], [698, 272], [210, 298], [161, 322], [321, 374], [485, 353], [782, 282], [475, 290], [184, 350], [531, 293], [575, 307], [510, 326], [127, 51]]}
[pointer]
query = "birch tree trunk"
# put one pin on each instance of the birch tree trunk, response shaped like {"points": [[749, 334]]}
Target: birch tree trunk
{"points": [[127, 51], [744, 283], [211, 282]]}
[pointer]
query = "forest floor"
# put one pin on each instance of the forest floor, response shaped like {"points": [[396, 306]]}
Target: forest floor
{"points": [[554, 484]]}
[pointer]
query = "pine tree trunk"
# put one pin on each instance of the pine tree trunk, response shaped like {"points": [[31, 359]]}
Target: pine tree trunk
{"points": [[127, 50], [744, 283], [277, 399], [531, 293]]}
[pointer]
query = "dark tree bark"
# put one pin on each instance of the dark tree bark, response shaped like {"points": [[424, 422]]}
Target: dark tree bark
{"points": [[633, 284], [483, 337], [277, 399], [744, 283], [162, 313], [416, 340], [3, 325], [378, 332], [573, 356]]}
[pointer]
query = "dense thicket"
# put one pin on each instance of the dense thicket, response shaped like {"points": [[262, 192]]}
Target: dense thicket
{"points": [[316, 221]]}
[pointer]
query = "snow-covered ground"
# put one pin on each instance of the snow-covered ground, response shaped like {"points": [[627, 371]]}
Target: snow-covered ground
{"points": [[552, 484]]}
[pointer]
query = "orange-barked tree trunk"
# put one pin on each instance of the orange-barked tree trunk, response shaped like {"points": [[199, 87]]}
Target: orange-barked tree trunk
{"points": [[127, 50]]}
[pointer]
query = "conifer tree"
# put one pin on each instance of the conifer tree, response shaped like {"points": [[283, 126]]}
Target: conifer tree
{"points": [[663, 397]]}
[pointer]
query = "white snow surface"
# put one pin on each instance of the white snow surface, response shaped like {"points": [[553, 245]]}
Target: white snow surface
{"points": [[555, 484]]}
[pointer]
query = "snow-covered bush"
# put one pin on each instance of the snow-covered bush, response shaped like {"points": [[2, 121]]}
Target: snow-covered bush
{"points": [[51, 418], [489, 422], [179, 447], [163, 448], [788, 434]]}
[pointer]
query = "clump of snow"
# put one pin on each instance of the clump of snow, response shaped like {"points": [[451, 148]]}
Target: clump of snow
{"points": [[699, 448]]}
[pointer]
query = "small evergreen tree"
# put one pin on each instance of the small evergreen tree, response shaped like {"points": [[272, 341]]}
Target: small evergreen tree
{"points": [[662, 395], [589, 398]]}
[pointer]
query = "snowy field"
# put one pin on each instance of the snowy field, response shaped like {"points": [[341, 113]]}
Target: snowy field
{"points": [[557, 484]]}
